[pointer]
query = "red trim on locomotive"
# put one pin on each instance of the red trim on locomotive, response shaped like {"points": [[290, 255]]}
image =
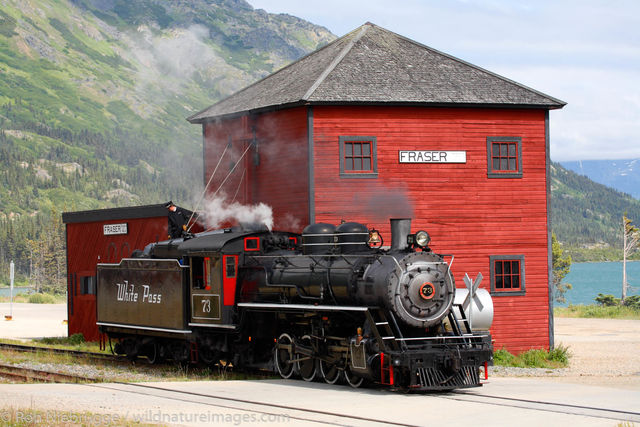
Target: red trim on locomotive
{"points": [[229, 280], [250, 246]]}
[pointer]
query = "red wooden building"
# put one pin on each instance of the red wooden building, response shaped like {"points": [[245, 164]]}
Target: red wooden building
{"points": [[374, 126], [105, 235]]}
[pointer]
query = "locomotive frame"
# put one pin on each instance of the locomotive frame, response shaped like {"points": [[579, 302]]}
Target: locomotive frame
{"points": [[305, 305]]}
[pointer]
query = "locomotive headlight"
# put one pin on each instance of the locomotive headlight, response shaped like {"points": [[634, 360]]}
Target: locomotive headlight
{"points": [[422, 238]]}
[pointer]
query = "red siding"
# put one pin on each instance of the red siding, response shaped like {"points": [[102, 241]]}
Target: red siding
{"points": [[466, 213], [86, 246], [281, 177]]}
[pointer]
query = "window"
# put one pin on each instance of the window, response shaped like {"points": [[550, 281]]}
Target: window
{"points": [[504, 157], [87, 285], [251, 244], [230, 267], [358, 157], [507, 275]]}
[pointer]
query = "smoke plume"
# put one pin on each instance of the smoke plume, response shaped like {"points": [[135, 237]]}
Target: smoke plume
{"points": [[218, 212]]}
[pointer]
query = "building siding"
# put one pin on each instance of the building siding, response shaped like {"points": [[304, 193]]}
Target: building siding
{"points": [[275, 167], [87, 246], [466, 213]]}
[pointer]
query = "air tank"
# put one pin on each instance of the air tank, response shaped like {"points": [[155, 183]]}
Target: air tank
{"points": [[352, 237], [318, 238]]}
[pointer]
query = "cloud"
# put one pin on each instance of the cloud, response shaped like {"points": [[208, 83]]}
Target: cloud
{"points": [[586, 53]]}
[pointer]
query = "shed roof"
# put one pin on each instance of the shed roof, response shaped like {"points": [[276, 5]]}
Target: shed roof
{"points": [[372, 65]]}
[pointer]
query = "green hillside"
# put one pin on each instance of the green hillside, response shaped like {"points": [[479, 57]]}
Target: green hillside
{"points": [[94, 96], [93, 100], [587, 216]]}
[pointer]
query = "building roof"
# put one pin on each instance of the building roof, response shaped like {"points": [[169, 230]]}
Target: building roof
{"points": [[372, 65], [129, 212]]}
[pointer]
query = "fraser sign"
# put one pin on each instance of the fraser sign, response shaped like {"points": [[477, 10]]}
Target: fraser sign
{"points": [[432, 156]]}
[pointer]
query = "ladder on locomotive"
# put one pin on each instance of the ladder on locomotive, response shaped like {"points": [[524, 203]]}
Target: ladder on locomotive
{"points": [[387, 333]]}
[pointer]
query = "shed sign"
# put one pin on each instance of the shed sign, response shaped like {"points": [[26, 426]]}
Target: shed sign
{"points": [[427, 156], [111, 229]]}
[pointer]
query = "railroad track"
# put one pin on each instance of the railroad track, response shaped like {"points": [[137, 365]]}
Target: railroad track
{"points": [[78, 353], [545, 406], [35, 375]]}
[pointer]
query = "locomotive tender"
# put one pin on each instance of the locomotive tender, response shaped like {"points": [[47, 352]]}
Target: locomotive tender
{"points": [[326, 304]]}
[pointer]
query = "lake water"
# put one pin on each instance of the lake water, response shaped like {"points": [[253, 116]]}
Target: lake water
{"points": [[5, 292], [591, 278]]}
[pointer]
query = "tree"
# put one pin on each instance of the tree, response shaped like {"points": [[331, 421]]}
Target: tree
{"points": [[561, 264], [630, 240]]}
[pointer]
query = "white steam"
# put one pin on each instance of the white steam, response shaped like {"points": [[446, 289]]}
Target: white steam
{"points": [[218, 211]]}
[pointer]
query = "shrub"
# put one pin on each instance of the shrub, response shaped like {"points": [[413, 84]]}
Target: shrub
{"points": [[503, 358], [535, 358], [560, 354], [41, 299], [632, 302], [607, 300], [75, 339]]}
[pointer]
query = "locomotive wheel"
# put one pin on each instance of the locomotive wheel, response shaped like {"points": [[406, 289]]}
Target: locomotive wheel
{"points": [[208, 356], [130, 348], [353, 380], [306, 365], [153, 352], [284, 356], [180, 352], [330, 373]]}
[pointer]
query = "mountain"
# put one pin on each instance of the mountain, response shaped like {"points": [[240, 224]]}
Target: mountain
{"points": [[623, 175], [587, 216], [94, 96], [101, 89]]}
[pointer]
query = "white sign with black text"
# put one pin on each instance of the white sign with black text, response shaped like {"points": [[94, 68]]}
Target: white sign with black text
{"points": [[111, 229], [432, 156]]}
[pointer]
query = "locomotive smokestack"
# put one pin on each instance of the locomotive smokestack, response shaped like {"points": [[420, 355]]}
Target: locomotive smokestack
{"points": [[400, 229]]}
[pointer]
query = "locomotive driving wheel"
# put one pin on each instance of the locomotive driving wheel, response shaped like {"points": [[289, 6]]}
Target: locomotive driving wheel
{"points": [[353, 380], [306, 364], [329, 371], [284, 356]]}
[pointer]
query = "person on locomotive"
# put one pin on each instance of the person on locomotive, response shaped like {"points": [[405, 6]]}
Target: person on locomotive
{"points": [[178, 219]]}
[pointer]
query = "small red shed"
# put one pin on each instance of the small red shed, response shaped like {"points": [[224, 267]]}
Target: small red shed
{"points": [[374, 126], [105, 235]]}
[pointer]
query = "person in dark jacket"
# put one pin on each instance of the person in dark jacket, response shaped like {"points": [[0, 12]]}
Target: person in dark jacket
{"points": [[178, 219]]}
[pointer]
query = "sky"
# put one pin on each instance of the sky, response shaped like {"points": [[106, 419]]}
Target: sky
{"points": [[585, 53]]}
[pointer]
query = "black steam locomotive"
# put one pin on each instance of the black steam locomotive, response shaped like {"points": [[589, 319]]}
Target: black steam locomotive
{"points": [[329, 304]]}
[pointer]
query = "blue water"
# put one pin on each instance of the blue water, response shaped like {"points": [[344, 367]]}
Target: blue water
{"points": [[591, 278], [5, 292]]}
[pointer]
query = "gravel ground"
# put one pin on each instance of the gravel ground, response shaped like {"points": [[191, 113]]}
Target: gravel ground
{"points": [[603, 352]]}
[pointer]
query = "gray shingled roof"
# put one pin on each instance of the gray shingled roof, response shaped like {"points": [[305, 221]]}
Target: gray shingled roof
{"points": [[374, 65]]}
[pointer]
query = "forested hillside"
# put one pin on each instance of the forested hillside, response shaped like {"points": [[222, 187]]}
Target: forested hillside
{"points": [[623, 175], [94, 96], [93, 100], [587, 216]]}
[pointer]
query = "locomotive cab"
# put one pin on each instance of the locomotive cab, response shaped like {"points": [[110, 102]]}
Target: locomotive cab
{"points": [[213, 282]]}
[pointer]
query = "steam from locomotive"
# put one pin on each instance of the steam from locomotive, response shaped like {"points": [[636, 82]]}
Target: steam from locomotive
{"points": [[329, 304]]}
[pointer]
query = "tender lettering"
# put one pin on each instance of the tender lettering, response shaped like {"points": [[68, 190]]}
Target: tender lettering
{"points": [[149, 297], [127, 292]]}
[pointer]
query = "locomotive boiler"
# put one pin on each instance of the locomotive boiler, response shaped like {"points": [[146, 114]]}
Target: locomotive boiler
{"points": [[329, 304]]}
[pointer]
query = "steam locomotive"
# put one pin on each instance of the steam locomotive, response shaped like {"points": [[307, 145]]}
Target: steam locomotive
{"points": [[330, 304]]}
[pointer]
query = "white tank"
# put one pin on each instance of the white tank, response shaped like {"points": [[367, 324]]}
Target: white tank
{"points": [[481, 309]]}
